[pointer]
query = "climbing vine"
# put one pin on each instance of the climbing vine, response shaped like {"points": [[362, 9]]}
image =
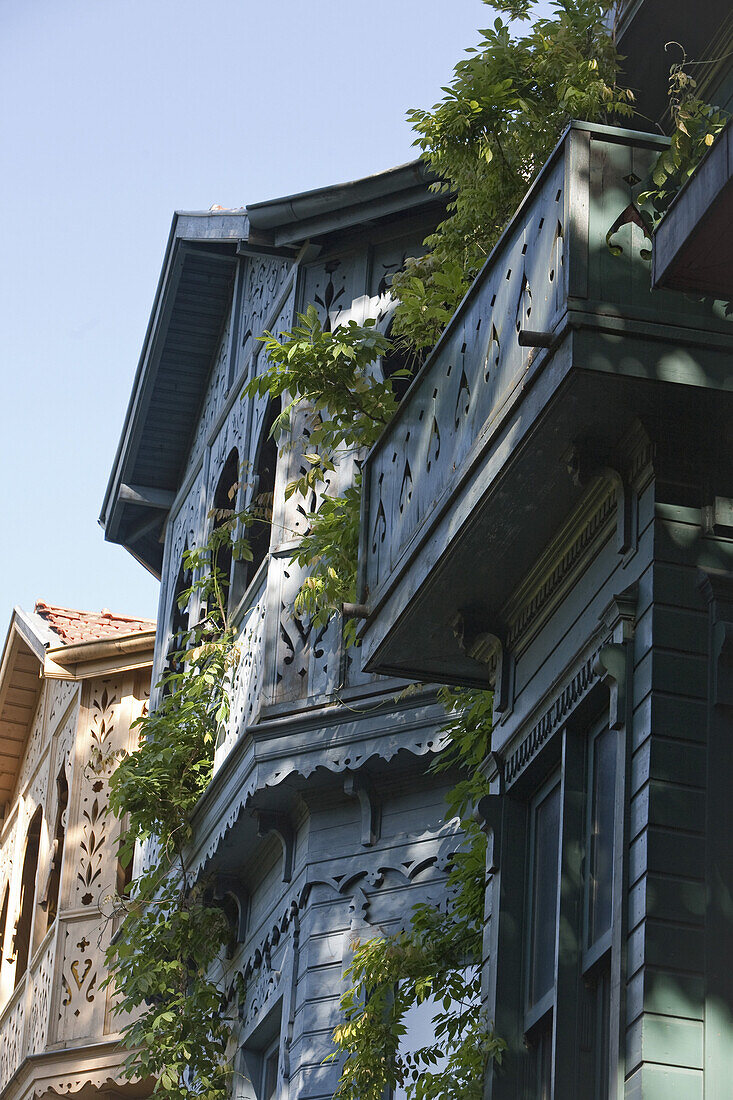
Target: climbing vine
{"points": [[695, 126], [165, 955]]}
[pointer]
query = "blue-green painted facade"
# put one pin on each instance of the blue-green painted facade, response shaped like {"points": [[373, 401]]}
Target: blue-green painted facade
{"points": [[566, 537]]}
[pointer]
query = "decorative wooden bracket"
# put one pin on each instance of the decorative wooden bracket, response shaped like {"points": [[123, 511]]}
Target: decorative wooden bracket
{"points": [[358, 786], [489, 815], [233, 886], [717, 588], [583, 467], [481, 645], [279, 824], [611, 669]]}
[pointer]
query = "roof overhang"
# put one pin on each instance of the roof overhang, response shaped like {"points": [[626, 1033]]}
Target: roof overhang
{"points": [[693, 245], [20, 689], [100, 656], [190, 309]]}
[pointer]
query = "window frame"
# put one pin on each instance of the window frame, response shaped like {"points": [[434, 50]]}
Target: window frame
{"points": [[267, 1056], [594, 954], [535, 1014]]}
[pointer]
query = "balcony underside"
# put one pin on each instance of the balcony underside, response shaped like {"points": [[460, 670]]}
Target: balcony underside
{"points": [[560, 344], [456, 576]]}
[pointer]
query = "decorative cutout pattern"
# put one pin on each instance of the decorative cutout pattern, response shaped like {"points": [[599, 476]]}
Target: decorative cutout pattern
{"points": [[247, 676], [81, 1010], [479, 368], [215, 394], [42, 977], [11, 1038], [94, 810]]}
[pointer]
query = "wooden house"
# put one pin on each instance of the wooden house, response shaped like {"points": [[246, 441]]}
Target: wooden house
{"points": [[72, 684], [569, 541], [321, 822]]}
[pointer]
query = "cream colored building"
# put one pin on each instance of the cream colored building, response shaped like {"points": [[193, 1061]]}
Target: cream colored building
{"points": [[71, 686]]}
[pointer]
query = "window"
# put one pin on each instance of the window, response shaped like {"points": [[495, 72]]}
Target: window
{"points": [[263, 490], [261, 1073], [545, 845], [27, 895], [225, 498], [270, 1072], [600, 848], [50, 900], [4, 922], [179, 615]]}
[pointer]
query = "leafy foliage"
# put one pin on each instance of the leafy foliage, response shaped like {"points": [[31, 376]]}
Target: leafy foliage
{"points": [[162, 956], [696, 125], [330, 377], [170, 941], [486, 140]]}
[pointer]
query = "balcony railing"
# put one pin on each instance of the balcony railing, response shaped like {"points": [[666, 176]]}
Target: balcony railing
{"points": [[574, 262]]}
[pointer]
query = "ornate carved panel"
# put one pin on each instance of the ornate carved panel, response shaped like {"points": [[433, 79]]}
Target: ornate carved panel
{"points": [[109, 718], [41, 978], [215, 395], [82, 1003], [263, 280], [11, 1038], [247, 675], [35, 745], [481, 365]]}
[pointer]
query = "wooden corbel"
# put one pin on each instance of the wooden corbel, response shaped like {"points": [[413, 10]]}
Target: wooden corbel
{"points": [[489, 815], [279, 824], [610, 667], [486, 647], [358, 786], [233, 886], [583, 466]]}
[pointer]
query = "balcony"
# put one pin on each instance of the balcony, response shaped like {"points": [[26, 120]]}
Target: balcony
{"points": [[558, 350], [694, 244]]}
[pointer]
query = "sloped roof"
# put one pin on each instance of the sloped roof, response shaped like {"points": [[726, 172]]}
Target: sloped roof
{"points": [[74, 626], [189, 311]]}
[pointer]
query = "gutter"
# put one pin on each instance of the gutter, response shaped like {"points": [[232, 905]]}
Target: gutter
{"points": [[81, 660], [324, 200]]}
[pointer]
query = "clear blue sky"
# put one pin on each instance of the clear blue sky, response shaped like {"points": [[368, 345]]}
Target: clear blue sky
{"points": [[114, 114]]}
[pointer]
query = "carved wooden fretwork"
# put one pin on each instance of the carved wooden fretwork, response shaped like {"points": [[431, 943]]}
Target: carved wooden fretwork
{"points": [[564, 701], [11, 1037], [215, 394], [94, 875], [42, 975], [82, 1006], [246, 677], [477, 375]]}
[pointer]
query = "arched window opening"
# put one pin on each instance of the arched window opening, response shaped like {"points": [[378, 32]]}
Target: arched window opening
{"points": [[50, 900], [225, 499], [4, 922], [24, 926], [263, 490], [179, 616], [400, 357]]}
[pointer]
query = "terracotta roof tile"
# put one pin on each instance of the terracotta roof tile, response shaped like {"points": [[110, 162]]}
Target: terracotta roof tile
{"points": [[85, 626]]}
